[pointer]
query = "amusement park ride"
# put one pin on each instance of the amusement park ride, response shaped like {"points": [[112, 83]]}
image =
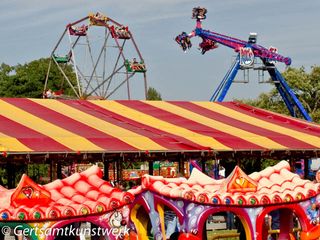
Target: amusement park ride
{"points": [[103, 55], [247, 54]]}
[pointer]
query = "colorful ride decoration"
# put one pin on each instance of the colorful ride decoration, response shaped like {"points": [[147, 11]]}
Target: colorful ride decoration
{"points": [[249, 197], [82, 197], [184, 41], [96, 48], [78, 30], [247, 52], [98, 19], [134, 66], [207, 45], [120, 32], [62, 59]]}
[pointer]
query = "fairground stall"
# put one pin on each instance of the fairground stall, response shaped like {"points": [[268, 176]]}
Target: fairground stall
{"points": [[64, 135], [251, 198], [82, 205]]}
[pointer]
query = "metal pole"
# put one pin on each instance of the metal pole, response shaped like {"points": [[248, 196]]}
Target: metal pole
{"points": [[59, 170], [120, 85], [106, 170], [94, 69], [51, 171], [92, 61], [230, 79], [106, 79], [151, 167], [66, 78], [203, 165], [10, 174], [47, 76], [128, 86], [76, 22], [60, 39], [141, 59], [145, 85], [84, 78], [114, 171], [223, 82], [118, 170], [116, 64], [75, 65], [104, 63], [136, 47]]}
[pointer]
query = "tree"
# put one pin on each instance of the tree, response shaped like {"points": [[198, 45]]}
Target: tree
{"points": [[305, 85], [153, 94], [28, 80]]}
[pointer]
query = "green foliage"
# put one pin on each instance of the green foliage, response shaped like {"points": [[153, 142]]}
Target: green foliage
{"points": [[153, 94], [268, 162], [305, 85], [28, 80], [39, 172], [248, 164]]}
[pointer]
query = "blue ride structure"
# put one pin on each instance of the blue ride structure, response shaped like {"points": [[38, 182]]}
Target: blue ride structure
{"points": [[247, 53]]}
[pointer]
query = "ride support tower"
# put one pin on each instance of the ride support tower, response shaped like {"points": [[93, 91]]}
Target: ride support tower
{"points": [[248, 52]]}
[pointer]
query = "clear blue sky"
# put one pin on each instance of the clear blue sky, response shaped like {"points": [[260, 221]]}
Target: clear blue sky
{"points": [[30, 29]]}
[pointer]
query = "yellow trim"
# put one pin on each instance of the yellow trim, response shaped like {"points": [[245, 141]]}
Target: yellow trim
{"points": [[66, 138], [246, 227], [245, 135], [8, 144], [138, 141], [160, 211], [140, 224], [310, 139], [162, 125]]}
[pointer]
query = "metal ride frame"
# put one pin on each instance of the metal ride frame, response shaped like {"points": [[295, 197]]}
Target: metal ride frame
{"points": [[98, 81], [247, 51]]}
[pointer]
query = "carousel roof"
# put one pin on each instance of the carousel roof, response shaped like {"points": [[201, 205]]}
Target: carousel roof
{"points": [[81, 194], [73, 126], [273, 185]]}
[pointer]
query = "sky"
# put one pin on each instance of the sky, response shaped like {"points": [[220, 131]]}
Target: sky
{"points": [[30, 29]]}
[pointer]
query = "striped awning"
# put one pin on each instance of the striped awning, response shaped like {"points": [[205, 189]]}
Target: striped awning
{"points": [[60, 126]]}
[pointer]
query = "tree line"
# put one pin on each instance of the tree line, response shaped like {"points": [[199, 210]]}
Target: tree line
{"points": [[27, 80], [305, 85]]}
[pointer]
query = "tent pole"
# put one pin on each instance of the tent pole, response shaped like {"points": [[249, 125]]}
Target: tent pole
{"points": [[51, 171], [151, 167], [11, 174], [306, 168], [114, 171], [118, 170], [181, 165], [203, 164], [106, 170], [59, 170]]}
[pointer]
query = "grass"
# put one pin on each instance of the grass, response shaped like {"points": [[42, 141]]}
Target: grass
{"points": [[223, 234]]}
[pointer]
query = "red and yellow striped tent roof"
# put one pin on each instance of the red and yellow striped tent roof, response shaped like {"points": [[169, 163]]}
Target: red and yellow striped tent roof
{"points": [[60, 126]]}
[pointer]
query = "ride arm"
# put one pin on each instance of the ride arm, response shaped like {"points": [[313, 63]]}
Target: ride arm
{"points": [[237, 44]]}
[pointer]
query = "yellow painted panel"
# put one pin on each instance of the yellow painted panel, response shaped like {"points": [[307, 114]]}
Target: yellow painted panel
{"points": [[220, 126], [136, 140], [310, 139], [11, 144], [66, 138], [141, 117]]}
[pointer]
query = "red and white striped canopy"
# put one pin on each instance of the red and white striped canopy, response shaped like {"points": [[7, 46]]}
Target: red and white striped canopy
{"points": [[47, 125]]}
